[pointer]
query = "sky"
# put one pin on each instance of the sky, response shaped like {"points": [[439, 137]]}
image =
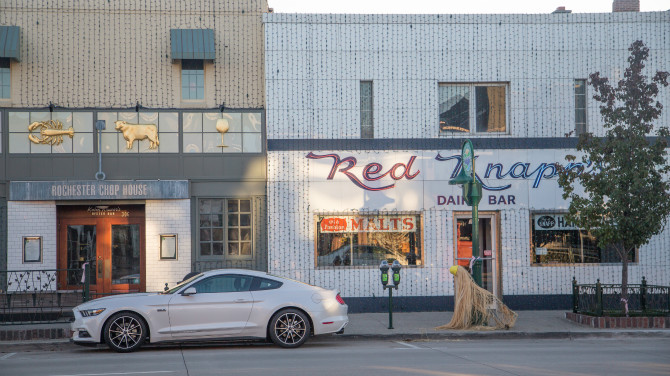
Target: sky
{"points": [[454, 6]]}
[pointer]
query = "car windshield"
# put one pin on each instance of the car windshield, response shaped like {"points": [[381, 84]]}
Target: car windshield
{"points": [[181, 284]]}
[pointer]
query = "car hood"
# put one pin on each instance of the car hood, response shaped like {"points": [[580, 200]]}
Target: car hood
{"points": [[120, 299]]}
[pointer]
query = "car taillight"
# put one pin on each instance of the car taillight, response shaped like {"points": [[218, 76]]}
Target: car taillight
{"points": [[339, 299]]}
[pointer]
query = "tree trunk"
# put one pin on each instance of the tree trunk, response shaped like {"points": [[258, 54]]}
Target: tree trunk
{"points": [[624, 278]]}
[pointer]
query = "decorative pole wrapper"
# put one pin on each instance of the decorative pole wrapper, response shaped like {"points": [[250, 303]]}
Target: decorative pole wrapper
{"points": [[83, 275]]}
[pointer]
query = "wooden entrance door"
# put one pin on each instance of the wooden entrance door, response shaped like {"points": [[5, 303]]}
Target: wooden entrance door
{"points": [[110, 240]]}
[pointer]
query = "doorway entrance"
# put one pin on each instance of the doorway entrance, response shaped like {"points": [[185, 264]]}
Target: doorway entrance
{"points": [[488, 247], [109, 239]]}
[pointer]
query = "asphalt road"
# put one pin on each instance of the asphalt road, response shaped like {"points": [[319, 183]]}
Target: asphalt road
{"points": [[616, 356]]}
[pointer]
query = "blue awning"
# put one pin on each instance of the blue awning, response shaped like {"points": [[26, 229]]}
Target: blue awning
{"points": [[10, 45], [192, 44]]}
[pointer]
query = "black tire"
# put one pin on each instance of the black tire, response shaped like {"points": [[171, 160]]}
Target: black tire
{"points": [[125, 332], [289, 328]]}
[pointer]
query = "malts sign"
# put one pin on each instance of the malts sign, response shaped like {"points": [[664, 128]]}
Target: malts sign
{"points": [[339, 224]]}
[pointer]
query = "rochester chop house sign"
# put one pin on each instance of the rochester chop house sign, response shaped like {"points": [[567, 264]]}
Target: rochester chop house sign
{"points": [[98, 190]]}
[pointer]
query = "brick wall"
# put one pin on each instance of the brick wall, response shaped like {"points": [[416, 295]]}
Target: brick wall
{"points": [[167, 217], [113, 54], [626, 6]]}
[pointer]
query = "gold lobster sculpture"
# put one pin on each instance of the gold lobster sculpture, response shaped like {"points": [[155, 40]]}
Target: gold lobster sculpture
{"points": [[52, 132]]}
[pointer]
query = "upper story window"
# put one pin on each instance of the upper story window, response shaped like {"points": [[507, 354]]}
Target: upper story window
{"points": [[5, 85], [580, 107], [473, 108], [367, 118], [192, 80]]}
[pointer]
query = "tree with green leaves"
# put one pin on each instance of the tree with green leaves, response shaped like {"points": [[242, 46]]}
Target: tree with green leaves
{"points": [[625, 199]]}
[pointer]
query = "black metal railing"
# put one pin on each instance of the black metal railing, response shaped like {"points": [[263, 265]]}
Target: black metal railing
{"points": [[602, 299]]}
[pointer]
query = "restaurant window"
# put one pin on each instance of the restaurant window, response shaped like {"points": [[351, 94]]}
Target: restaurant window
{"points": [[45, 132], [225, 228], [472, 108], [166, 129], [367, 118], [192, 79], [222, 132], [5, 76], [556, 241], [366, 240], [580, 107]]}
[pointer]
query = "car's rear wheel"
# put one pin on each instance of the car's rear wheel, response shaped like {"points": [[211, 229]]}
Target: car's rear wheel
{"points": [[289, 328], [125, 332]]}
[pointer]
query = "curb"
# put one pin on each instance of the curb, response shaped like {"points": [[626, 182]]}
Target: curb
{"points": [[502, 335]]}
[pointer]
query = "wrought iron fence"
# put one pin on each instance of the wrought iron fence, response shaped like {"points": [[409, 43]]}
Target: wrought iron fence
{"points": [[601, 299]]}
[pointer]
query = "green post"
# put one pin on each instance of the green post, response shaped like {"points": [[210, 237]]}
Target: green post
{"points": [[390, 308], [477, 264]]}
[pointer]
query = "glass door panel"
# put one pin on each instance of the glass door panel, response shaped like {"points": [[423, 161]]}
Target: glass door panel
{"points": [[125, 254], [81, 247]]}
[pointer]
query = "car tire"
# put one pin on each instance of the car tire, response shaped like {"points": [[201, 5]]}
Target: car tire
{"points": [[125, 332], [289, 328]]}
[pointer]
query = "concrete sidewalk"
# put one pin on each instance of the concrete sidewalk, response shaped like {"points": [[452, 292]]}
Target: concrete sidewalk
{"points": [[406, 326]]}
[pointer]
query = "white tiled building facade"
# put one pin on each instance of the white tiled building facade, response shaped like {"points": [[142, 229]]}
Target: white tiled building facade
{"points": [[315, 68]]}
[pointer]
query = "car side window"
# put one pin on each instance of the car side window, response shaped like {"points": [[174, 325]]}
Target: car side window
{"points": [[265, 284], [223, 283]]}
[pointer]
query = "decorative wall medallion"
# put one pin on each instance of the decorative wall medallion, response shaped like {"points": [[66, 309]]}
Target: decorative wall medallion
{"points": [[222, 126], [132, 132], [51, 132]]}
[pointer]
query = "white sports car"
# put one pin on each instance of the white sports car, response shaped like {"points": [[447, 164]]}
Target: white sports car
{"points": [[218, 304]]}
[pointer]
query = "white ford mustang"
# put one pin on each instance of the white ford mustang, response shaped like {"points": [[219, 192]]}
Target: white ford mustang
{"points": [[218, 304]]}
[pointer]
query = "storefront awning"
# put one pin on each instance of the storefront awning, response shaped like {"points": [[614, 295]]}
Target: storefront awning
{"points": [[192, 44], [10, 42]]}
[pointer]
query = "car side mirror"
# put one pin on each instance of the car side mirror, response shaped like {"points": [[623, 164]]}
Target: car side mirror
{"points": [[189, 291]]}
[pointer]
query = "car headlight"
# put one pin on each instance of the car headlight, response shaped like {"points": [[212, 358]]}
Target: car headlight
{"points": [[91, 312]]}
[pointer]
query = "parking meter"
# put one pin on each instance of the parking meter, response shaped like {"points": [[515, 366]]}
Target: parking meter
{"points": [[384, 267], [396, 273]]}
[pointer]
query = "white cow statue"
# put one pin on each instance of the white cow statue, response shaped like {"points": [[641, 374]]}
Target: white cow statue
{"points": [[132, 132]]}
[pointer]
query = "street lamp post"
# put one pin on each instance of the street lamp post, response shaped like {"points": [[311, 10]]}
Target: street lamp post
{"points": [[472, 193]]}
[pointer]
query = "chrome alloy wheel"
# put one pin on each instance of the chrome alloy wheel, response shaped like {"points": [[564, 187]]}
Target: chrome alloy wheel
{"points": [[125, 332], [290, 328]]}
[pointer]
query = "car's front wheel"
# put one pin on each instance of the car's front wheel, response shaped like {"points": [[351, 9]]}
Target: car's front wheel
{"points": [[289, 328], [125, 332]]}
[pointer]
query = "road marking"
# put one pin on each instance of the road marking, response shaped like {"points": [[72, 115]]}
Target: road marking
{"points": [[7, 356], [117, 373], [408, 345]]}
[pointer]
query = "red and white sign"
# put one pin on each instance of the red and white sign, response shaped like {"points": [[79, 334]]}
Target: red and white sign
{"points": [[398, 223]]}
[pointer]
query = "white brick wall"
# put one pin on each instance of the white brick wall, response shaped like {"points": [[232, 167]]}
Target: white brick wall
{"points": [[314, 64], [35, 218], [167, 217]]}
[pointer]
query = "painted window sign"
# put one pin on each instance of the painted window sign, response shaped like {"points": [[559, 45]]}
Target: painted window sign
{"points": [[551, 222], [368, 224], [365, 240], [375, 171], [371, 172]]}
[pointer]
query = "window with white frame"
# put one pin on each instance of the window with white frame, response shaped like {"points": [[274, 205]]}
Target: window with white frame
{"points": [[472, 108]]}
